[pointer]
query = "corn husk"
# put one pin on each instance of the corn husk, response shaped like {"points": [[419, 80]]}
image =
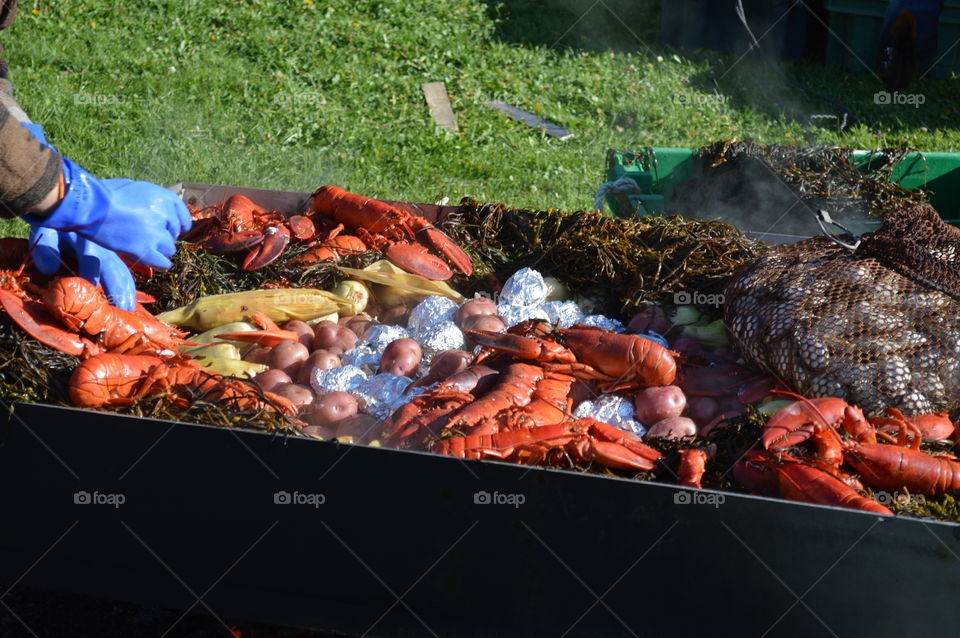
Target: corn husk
{"points": [[216, 351], [231, 367], [209, 337], [280, 304], [395, 286]]}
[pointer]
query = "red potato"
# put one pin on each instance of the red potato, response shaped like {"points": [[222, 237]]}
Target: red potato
{"points": [[478, 306], [650, 318], [401, 357], [359, 324], [288, 356], [656, 404], [272, 380], [331, 408], [303, 329], [328, 334], [449, 363], [258, 354], [318, 359], [702, 410], [300, 395], [360, 427], [677, 427]]}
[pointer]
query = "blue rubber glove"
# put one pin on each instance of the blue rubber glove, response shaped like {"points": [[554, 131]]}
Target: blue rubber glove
{"points": [[95, 263], [139, 219]]}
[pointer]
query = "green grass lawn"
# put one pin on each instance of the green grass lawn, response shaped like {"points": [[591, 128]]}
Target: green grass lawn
{"points": [[298, 93]]}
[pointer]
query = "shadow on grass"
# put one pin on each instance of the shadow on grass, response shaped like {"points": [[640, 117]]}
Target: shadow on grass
{"points": [[750, 84], [578, 25]]}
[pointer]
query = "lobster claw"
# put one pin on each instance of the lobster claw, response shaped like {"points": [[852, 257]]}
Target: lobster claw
{"points": [[418, 260], [439, 241], [274, 240], [302, 227], [228, 242], [37, 322]]}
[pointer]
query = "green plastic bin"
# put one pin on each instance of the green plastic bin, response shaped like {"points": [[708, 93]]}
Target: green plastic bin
{"points": [[854, 36], [657, 171]]}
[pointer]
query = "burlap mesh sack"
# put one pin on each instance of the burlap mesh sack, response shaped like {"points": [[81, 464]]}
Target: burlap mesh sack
{"points": [[878, 325]]}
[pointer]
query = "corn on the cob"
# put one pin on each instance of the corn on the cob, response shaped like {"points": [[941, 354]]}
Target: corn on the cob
{"points": [[280, 304]]}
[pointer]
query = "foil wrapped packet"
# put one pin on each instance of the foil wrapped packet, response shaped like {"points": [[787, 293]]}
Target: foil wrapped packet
{"points": [[613, 409], [563, 313], [441, 336], [607, 323], [525, 287], [342, 379], [428, 313], [512, 315], [379, 393]]}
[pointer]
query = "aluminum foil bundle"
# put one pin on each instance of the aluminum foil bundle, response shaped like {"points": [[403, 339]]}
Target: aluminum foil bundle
{"points": [[525, 287], [522, 297], [442, 336], [614, 409], [343, 379], [428, 313], [564, 313], [512, 315], [607, 323], [378, 394]]}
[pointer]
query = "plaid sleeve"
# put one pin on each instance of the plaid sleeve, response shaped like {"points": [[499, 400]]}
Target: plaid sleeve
{"points": [[8, 11], [29, 170]]}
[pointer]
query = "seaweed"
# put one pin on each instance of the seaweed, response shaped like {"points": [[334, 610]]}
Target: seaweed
{"points": [[623, 263], [196, 273], [33, 372]]}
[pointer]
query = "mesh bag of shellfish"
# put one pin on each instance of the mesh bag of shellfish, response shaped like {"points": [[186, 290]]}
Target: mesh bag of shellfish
{"points": [[875, 322]]}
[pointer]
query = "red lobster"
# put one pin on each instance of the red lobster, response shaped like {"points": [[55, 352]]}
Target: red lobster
{"points": [[240, 225], [799, 480], [111, 379], [583, 439], [893, 466], [615, 361], [403, 238]]}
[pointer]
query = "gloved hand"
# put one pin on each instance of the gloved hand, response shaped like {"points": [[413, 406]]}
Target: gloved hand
{"points": [[95, 263], [139, 219]]}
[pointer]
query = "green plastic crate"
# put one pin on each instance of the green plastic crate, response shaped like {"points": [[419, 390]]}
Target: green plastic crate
{"points": [[855, 35], [657, 171]]}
